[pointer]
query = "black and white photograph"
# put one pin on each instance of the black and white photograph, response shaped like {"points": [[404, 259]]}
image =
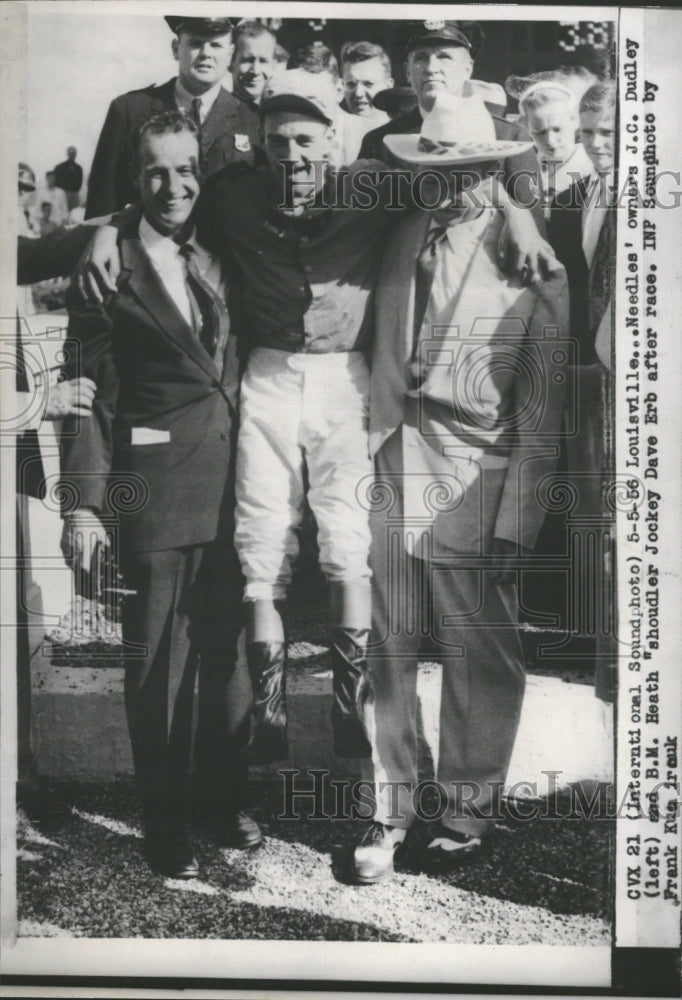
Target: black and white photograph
{"points": [[341, 488]]}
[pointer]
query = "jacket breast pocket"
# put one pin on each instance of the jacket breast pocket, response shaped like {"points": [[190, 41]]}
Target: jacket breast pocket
{"points": [[140, 456]]}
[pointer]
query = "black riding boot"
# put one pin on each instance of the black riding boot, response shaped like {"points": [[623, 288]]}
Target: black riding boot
{"points": [[349, 617], [348, 648], [266, 657], [267, 665]]}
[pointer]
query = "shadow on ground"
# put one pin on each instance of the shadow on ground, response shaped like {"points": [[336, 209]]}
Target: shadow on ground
{"points": [[542, 880]]}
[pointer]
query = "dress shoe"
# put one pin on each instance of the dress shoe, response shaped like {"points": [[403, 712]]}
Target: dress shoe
{"points": [[373, 856], [172, 857], [240, 831], [449, 848]]}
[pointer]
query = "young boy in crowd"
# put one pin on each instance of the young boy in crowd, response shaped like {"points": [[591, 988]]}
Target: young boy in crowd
{"points": [[549, 112], [582, 230], [366, 71]]}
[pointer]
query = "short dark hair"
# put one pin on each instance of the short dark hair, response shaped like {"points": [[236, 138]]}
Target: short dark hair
{"points": [[165, 122], [315, 57], [355, 52], [601, 96], [281, 54], [251, 29]]}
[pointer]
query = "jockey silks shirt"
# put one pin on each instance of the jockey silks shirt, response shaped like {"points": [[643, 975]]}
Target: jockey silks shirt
{"points": [[306, 284]]}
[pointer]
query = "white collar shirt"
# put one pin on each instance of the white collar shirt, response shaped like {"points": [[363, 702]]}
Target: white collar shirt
{"points": [[184, 99], [594, 211], [168, 263], [455, 254], [557, 177], [352, 129]]}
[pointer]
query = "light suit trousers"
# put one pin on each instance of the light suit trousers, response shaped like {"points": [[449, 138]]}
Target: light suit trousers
{"points": [[432, 576]]}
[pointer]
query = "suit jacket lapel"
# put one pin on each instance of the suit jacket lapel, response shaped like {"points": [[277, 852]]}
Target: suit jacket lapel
{"points": [[149, 290], [393, 342], [219, 121], [414, 241]]}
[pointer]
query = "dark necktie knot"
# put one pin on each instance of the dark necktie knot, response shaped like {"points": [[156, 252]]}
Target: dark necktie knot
{"points": [[433, 238], [426, 269], [195, 111]]}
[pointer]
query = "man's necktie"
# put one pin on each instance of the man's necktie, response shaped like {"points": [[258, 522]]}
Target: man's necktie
{"points": [[208, 312], [195, 112], [195, 115], [426, 268]]}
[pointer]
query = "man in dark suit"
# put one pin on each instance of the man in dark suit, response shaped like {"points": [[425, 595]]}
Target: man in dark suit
{"points": [[440, 59], [581, 229], [158, 455], [68, 175], [228, 126]]}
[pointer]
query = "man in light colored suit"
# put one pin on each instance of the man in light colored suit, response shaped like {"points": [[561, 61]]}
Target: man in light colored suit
{"points": [[466, 400]]}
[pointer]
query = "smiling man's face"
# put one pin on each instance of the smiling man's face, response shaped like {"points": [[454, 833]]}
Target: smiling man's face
{"points": [[253, 65], [362, 81], [297, 148], [168, 178]]}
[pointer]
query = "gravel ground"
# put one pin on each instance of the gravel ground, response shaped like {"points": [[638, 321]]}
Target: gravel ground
{"points": [[541, 882]]}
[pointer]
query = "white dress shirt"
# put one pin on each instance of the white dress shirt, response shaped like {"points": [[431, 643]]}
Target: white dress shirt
{"points": [[352, 129], [455, 254], [557, 177], [184, 99], [593, 212], [165, 256], [164, 253]]}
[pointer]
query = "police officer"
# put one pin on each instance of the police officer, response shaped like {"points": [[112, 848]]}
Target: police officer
{"points": [[228, 127]]}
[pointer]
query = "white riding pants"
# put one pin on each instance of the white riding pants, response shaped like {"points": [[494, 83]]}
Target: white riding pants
{"points": [[302, 411]]}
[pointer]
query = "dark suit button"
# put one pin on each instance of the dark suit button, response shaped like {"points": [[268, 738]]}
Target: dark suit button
{"points": [[224, 435]]}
